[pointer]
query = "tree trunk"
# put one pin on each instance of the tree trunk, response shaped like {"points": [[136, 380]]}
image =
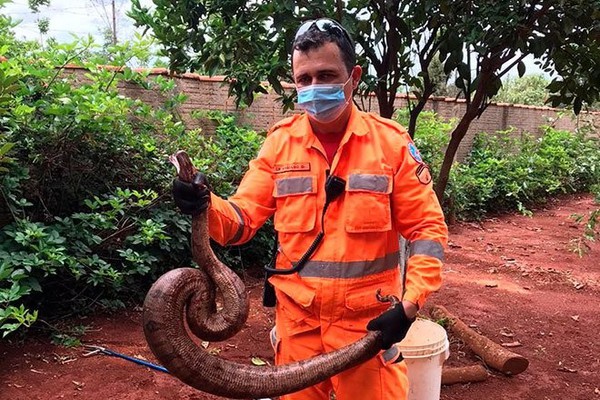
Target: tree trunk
{"points": [[457, 136], [415, 112], [469, 374], [474, 109], [386, 106], [491, 353]]}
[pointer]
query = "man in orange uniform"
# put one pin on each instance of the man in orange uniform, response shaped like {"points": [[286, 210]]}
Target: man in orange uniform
{"points": [[345, 240]]}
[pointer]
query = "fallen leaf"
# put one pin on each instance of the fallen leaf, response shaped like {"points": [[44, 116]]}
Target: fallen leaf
{"points": [[597, 391], [575, 317], [565, 369], [512, 344], [141, 357], [214, 351], [37, 372], [204, 344], [507, 333], [258, 361]]}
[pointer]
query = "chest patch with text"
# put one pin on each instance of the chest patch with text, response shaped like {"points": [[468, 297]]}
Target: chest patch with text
{"points": [[281, 168]]}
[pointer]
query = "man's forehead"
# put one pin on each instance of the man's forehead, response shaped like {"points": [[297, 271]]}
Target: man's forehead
{"points": [[323, 58]]}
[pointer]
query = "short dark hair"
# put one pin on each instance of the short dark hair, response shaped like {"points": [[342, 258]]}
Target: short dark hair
{"points": [[315, 37]]}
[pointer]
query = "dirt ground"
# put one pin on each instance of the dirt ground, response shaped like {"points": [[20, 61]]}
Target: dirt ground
{"points": [[512, 278]]}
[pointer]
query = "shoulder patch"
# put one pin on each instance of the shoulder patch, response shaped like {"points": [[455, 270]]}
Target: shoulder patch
{"points": [[423, 174], [414, 152]]}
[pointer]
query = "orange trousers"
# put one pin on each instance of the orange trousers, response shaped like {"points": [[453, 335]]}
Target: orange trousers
{"points": [[326, 314]]}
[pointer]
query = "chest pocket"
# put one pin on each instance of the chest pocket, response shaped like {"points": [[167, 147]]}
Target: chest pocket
{"points": [[296, 202], [367, 207]]}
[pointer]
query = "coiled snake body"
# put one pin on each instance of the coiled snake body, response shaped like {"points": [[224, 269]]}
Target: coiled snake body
{"points": [[191, 294]]}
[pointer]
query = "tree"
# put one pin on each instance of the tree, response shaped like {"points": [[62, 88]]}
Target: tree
{"points": [[43, 23], [250, 41], [34, 5], [440, 80], [108, 17], [397, 42], [497, 36]]}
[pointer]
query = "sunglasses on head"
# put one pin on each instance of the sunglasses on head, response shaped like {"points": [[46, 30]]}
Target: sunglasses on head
{"points": [[324, 25]]}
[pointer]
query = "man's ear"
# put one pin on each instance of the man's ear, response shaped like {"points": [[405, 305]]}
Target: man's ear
{"points": [[356, 74]]}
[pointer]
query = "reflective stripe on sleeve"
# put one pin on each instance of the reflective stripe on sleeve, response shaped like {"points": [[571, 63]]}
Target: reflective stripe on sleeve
{"points": [[296, 185], [370, 182], [240, 229], [351, 269], [426, 248]]}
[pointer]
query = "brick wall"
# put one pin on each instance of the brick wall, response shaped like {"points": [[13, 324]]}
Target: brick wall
{"points": [[205, 93]]}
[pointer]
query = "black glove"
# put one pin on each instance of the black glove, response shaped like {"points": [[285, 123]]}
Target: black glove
{"points": [[393, 324], [192, 198]]}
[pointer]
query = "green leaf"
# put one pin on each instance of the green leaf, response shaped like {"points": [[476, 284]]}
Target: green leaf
{"points": [[464, 71], [258, 361], [577, 104], [521, 68], [6, 148]]}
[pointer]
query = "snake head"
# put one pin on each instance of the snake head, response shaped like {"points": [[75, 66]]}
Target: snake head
{"points": [[183, 163]]}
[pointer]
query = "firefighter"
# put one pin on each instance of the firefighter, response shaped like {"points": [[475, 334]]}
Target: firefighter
{"points": [[342, 186]]}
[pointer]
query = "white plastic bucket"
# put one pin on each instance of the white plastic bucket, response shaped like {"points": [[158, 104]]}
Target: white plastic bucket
{"points": [[425, 348]]}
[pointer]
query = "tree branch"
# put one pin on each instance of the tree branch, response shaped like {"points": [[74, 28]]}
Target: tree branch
{"points": [[511, 66]]}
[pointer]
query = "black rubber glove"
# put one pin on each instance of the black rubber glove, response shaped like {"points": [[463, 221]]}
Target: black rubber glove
{"points": [[393, 324], [192, 198]]}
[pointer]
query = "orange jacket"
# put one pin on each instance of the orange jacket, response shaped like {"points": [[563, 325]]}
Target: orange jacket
{"points": [[388, 192]]}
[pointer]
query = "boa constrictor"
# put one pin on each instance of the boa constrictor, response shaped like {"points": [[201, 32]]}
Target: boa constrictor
{"points": [[182, 303]]}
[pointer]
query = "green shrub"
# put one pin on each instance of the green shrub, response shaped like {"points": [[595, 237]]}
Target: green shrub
{"points": [[505, 172], [86, 217]]}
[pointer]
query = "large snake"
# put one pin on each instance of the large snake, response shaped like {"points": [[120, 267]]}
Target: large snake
{"points": [[189, 294]]}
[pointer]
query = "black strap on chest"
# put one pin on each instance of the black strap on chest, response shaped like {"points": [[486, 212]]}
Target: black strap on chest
{"points": [[334, 187]]}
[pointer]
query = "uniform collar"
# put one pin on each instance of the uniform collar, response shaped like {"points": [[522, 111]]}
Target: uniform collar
{"points": [[356, 126]]}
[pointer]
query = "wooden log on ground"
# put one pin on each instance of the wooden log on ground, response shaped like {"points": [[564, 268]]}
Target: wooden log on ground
{"points": [[493, 354], [469, 374]]}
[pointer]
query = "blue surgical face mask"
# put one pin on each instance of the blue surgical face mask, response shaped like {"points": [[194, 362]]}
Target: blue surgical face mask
{"points": [[323, 102]]}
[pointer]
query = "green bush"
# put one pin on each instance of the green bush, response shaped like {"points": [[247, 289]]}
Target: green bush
{"points": [[86, 218], [505, 172]]}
